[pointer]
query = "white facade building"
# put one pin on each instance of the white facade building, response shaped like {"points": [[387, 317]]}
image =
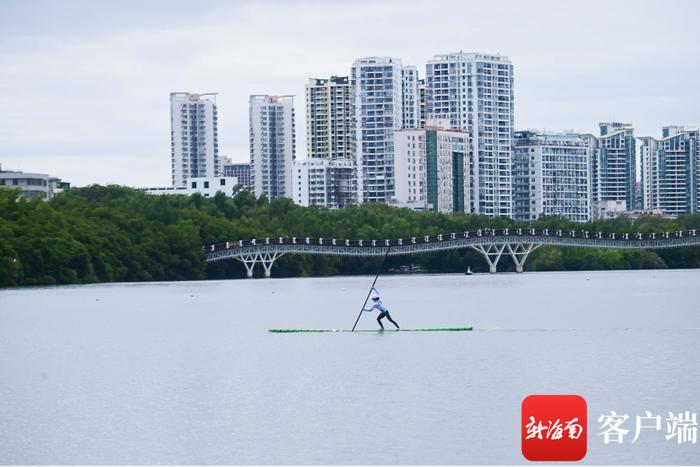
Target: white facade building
{"points": [[325, 183], [670, 171], [272, 145], [378, 97], [410, 95], [615, 170], [327, 178], [649, 171], [611, 209], [475, 92], [32, 185], [432, 168], [329, 118], [206, 186], [194, 146], [552, 175]]}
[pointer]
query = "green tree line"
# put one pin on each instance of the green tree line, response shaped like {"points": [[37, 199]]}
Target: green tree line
{"points": [[118, 234]]}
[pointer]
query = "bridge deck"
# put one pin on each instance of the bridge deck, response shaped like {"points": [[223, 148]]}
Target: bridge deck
{"points": [[441, 242]]}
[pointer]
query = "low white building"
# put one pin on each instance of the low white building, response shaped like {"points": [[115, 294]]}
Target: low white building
{"points": [[610, 209], [324, 182], [432, 169], [32, 185], [206, 186]]}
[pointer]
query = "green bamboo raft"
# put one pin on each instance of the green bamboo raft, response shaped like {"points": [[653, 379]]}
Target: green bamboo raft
{"points": [[288, 331]]}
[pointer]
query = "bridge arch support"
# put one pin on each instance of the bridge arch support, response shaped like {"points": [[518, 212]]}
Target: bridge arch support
{"points": [[266, 258], [519, 252]]}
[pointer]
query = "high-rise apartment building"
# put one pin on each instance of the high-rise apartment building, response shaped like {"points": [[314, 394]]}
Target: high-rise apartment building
{"points": [[378, 97], [670, 172], [475, 93], [421, 100], [410, 94], [649, 171], [327, 178], [194, 145], [614, 173], [329, 118], [272, 145], [432, 169], [551, 175]]}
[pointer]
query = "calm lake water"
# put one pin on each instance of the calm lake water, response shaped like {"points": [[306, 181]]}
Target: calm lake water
{"points": [[185, 373]]}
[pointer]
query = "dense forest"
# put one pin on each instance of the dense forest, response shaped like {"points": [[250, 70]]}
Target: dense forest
{"points": [[115, 234]]}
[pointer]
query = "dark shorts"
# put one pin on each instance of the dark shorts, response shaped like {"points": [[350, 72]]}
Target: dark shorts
{"points": [[383, 314]]}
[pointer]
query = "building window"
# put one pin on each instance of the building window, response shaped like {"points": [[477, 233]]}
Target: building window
{"points": [[223, 181], [206, 184], [194, 184]]}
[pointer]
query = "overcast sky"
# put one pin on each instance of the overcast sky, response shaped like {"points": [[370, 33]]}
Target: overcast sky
{"points": [[85, 84]]}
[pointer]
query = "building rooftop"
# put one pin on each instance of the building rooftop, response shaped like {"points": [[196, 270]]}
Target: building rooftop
{"points": [[534, 137], [377, 60], [267, 98], [15, 173], [193, 97], [469, 56], [332, 79]]}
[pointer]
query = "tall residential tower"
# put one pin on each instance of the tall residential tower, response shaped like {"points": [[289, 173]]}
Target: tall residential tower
{"points": [[378, 98], [194, 146], [327, 177], [671, 170], [410, 96], [475, 93], [614, 168], [329, 118], [272, 145]]}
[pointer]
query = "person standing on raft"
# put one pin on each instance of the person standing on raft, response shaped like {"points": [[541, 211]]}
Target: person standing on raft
{"points": [[383, 312]]}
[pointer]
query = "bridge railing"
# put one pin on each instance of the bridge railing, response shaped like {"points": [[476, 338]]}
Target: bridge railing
{"points": [[385, 243]]}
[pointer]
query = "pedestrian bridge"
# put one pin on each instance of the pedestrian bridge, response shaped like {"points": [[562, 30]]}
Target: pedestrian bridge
{"points": [[491, 243]]}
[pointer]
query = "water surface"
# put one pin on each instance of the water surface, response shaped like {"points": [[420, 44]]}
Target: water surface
{"points": [[185, 373]]}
